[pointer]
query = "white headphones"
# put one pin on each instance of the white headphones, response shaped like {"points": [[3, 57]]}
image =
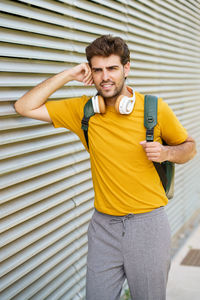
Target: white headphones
{"points": [[123, 105]]}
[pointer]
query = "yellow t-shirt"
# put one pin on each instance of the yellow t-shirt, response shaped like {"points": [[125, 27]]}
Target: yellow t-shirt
{"points": [[124, 180]]}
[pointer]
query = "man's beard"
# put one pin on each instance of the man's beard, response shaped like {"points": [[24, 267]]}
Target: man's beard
{"points": [[116, 92]]}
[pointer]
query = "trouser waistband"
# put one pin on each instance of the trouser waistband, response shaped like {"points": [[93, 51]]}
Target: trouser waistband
{"points": [[123, 219]]}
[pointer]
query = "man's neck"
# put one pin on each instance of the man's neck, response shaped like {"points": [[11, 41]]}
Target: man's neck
{"points": [[111, 101]]}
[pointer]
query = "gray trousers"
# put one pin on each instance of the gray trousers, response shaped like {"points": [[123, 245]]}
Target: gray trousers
{"points": [[136, 247]]}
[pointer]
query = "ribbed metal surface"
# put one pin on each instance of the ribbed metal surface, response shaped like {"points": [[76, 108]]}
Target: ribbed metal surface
{"points": [[46, 188]]}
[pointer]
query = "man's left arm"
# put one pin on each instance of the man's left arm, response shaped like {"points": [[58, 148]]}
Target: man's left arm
{"points": [[179, 154]]}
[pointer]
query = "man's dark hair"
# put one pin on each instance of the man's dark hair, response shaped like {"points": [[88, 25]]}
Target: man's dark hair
{"points": [[107, 45]]}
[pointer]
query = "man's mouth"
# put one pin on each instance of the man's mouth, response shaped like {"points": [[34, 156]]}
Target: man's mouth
{"points": [[106, 86]]}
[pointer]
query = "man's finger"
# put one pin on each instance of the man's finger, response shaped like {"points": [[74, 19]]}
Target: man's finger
{"points": [[153, 150], [143, 143]]}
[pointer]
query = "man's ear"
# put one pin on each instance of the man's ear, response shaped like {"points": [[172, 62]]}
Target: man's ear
{"points": [[127, 68]]}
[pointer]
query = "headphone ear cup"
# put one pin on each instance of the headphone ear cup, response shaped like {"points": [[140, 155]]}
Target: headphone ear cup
{"points": [[102, 106], [124, 105], [98, 104], [117, 103]]}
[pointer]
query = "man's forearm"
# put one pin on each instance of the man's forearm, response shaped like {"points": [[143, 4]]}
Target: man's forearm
{"points": [[39, 94], [181, 153]]}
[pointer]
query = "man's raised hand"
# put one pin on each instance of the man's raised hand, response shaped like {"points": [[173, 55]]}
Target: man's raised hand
{"points": [[82, 73]]}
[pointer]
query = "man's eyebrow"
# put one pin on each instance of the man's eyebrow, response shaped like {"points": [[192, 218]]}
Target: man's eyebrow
{"points": [[114, 66], [96, 68], [99, 68]]}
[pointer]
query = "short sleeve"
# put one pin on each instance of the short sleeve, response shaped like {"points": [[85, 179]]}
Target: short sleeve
{"points": [[172, 131], [67, 113]]}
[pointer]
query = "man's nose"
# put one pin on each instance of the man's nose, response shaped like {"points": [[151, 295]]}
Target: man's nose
{"points": [[105, 75]]}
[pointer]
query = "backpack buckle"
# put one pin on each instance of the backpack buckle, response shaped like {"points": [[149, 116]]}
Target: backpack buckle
{"points": [[150, 119], [149, 135]]}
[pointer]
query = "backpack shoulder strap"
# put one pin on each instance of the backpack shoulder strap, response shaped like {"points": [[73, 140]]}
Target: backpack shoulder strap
{"points": [[150, 121], [150, 116], [88, 112]]}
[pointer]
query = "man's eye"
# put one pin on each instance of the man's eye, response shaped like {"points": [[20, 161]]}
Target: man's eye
{"points": [[96, 70]]}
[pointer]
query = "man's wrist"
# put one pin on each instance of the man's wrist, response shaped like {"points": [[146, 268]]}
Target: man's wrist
{"points": [[68, 75], [168, 153]]}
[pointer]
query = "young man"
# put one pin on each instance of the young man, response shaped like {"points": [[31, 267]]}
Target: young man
{"points": [[129, 235]]}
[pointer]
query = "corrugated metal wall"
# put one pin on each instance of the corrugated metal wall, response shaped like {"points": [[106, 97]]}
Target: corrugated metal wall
{"points": [[46, 189]]}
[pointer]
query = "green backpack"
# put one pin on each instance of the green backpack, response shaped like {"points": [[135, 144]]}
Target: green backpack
{"points": [[166, 169]]}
